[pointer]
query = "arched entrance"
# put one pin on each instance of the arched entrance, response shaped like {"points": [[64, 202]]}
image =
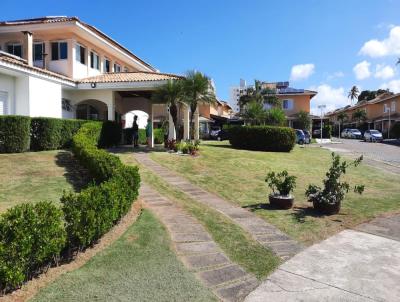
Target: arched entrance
{"points": [[91, 110]]}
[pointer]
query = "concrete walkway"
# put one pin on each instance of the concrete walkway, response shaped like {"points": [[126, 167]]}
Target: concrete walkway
{"points": [[198, 251], [266, 234], [362, 265]]}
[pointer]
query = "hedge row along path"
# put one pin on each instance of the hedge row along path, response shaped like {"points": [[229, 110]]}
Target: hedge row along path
{"points": [[266, 234], [198, 251]]}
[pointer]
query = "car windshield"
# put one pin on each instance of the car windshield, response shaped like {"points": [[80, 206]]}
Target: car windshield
{"points": [[374, 132], [355, 130]]}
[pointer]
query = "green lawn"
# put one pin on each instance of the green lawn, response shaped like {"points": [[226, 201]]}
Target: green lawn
{"points": [[139, 266], [36, 176], [238, 176]]}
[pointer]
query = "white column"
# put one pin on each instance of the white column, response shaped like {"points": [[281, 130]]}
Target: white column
{"points": [[27, 51], [171, 127], [186, 126], [196, 125], [111, 108], [152, 126]]}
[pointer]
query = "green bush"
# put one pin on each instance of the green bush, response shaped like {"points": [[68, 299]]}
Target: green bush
{"points": [[69, 129], [45, 133], [262, 138], [111, 133], [31, 237], [14, 133], [159, 136]]}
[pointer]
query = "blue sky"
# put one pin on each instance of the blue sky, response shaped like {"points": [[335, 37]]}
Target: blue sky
{"points": [[229, 40]]}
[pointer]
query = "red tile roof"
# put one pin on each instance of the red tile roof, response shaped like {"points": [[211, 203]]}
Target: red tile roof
{"points": [[137, 76]]}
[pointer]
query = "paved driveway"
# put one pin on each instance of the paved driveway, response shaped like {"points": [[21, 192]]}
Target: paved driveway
{"points": [[380, 155], [362, 265]]}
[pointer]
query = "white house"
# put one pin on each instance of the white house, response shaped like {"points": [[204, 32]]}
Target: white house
{"points": [[62, 67]]}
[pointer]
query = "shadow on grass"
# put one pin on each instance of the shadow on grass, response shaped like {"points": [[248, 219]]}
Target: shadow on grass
{"points": [[124, 149], [300, 214], [75, 174], [261, 206]]}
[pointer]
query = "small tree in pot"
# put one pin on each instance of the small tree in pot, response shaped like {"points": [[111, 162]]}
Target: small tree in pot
{"points": [[281, 185], [328, 200]]}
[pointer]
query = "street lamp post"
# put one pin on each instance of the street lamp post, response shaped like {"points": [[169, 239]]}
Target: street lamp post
{"points": [[322, 107], [390, 109]]}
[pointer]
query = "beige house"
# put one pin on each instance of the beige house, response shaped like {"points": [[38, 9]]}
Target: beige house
{"points": [[381, 112], [62, 67]]}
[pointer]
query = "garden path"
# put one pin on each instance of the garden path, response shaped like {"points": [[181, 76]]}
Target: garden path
{"points": [[266, 234], [198, 251]]}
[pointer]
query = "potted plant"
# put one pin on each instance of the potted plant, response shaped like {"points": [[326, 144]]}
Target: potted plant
{"points": [[328, 199], [281, 185]]}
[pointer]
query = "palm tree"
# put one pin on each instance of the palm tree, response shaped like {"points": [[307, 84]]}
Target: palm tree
{"points": [[170, 94], [353, 93], [398, 61], [341, 117], [359, 116], [254, 113], [197, 89]]}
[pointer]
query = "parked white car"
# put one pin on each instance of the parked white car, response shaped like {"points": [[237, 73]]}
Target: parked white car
{"points": [[351, 133], [373, 136]]}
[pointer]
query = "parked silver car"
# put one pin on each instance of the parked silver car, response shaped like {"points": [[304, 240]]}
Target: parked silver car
{"points": [[351, 133], [373, 136]]}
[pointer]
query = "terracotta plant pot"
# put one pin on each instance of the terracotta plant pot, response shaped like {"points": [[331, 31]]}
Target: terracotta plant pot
{"points": [[328, 209], [281, 202]]}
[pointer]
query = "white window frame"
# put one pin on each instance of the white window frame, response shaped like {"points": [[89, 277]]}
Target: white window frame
{"points": [[78, 58], [105, 65], [92, 60], [13, 44], [385, 108], [289, 101], [34, 52], [393, 106], [4, 108], [115, 67], [58, 50]]}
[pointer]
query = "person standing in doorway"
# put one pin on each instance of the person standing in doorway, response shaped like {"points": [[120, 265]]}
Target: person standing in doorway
{"points": [[149, 130], [135, 132]]}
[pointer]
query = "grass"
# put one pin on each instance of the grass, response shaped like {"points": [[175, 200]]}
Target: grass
{"points": [[238, 176], [232, 239], [139, 266], [36, 176]]}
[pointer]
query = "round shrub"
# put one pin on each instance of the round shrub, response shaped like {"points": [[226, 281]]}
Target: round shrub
{"points": [[14, 133], [31, 237], [262, 138]]}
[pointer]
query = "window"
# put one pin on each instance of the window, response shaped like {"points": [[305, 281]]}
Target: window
{"points": [[126, 69], [15, 49], [94, 60], [3, 102], [385, 108], [287, 104], [117, 68], [80, 54], [38, 51], [59, 51], [393, 108], [106, 65]]}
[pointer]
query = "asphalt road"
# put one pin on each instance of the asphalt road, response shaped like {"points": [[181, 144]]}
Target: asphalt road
{"points": [[381, 155]]}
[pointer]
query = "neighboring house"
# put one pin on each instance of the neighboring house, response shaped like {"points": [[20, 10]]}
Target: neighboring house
{"points": [[64, 68], [293, 100], [381, 112]]}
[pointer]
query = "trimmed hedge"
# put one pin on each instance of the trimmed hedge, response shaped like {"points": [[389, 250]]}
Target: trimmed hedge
{"points": [[262, 138], [31, 237], [111, 133], [14, 133], [96, 209], [158, 136]]}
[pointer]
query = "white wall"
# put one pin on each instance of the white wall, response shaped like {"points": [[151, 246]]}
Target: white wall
{"points": [[22, 95], [60, 66], [7, 85], [44, 98]]}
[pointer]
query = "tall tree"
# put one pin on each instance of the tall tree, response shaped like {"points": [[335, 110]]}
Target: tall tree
{"points": [[359, 116], [170, 94], [197, 89], [341, 117], [304, 120], [353, 93], [254, 113]]}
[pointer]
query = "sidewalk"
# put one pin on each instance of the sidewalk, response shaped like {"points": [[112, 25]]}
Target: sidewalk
{"points": [[362, 265]]}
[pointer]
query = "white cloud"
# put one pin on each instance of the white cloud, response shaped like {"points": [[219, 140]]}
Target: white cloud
{"points": [[393, 85], [384, 72], [301, 71], [332, 97], [335, 75], [361, 70], [386, 47]]}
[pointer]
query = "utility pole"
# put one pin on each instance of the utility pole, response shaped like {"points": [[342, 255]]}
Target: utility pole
{"points": [[322, 107]]}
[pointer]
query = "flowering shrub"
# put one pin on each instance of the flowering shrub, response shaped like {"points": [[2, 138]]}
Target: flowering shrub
{"points": [[281, 182]]}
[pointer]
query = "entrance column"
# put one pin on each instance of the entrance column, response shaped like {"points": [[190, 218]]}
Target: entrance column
{"points": [[111, 111], [171, 127], [186, 126], [196, 125], [152, 126]]}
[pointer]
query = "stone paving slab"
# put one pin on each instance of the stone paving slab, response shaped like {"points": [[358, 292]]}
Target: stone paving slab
{"points": [[260, 230], [197, 250], [388, 227]]}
